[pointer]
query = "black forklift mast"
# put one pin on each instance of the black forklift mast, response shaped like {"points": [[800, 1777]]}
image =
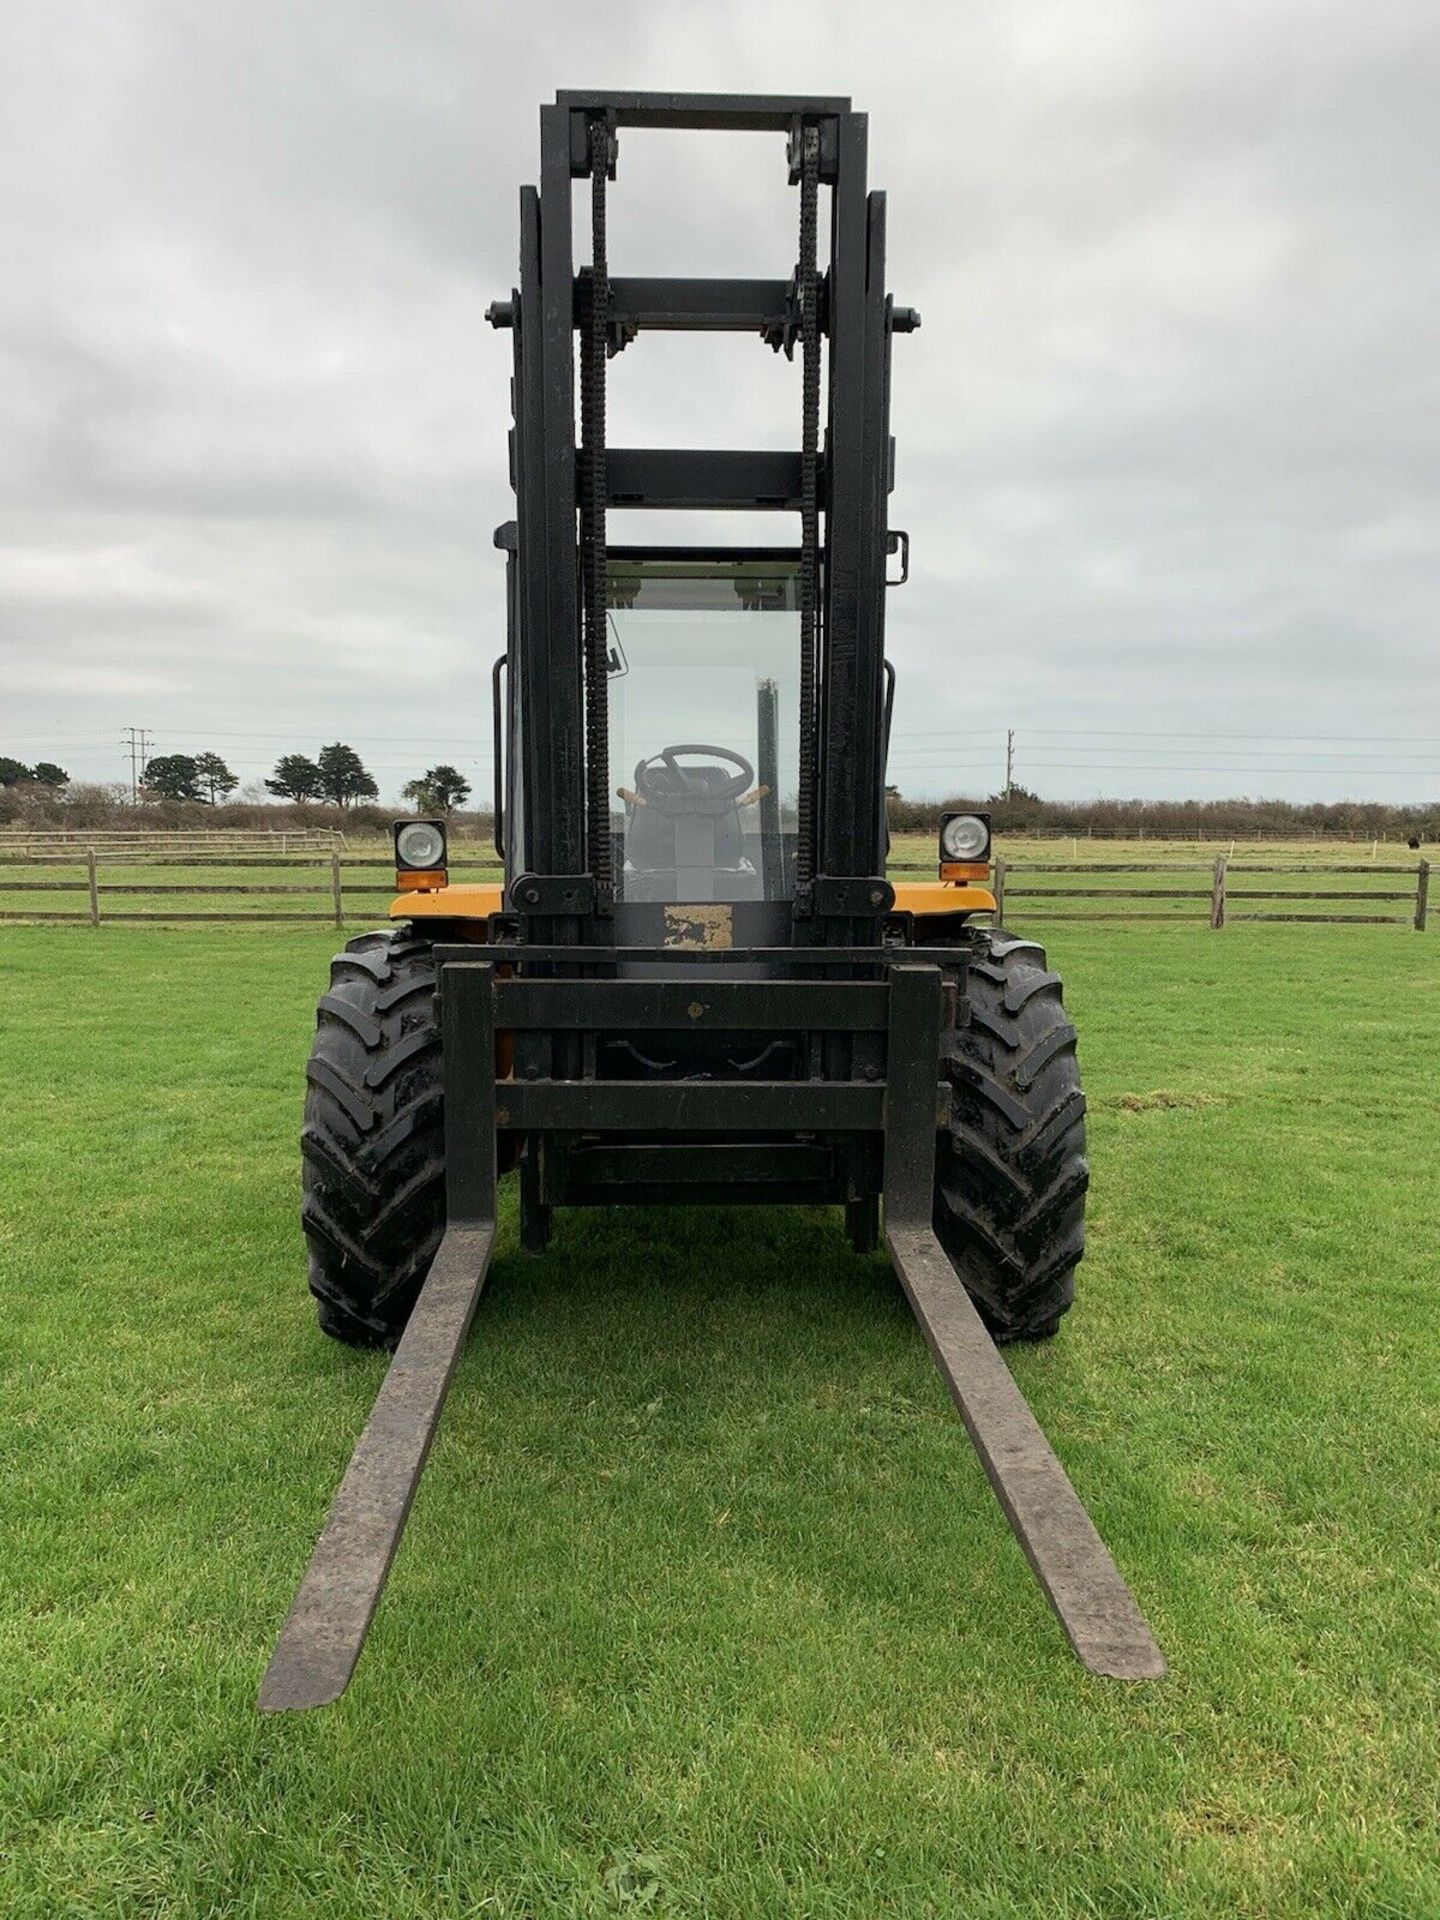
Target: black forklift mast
{"points": [[839, 488]]}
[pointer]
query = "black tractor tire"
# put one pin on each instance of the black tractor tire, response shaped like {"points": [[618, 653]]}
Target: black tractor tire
{"points": [[1011, 1173], [372, 1145]]}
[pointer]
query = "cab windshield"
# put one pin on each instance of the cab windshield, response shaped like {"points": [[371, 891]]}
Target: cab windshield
{"points": [[704, 681]]}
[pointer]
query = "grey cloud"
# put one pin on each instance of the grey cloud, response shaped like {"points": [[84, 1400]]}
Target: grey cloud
{"points": [[1166, 437]]}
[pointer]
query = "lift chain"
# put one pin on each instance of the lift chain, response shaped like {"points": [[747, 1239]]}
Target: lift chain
{"points": [[593, 532], [809, 496]]}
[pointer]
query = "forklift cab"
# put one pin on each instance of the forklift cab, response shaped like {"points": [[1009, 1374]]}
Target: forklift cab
{"points": [[703, 706]]}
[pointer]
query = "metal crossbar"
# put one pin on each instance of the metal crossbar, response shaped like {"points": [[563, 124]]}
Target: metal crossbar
{"points": [[695, 1106], [832, 1006]]}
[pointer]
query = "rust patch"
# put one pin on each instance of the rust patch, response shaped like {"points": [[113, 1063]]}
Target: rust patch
{"points": [[699, 926]]}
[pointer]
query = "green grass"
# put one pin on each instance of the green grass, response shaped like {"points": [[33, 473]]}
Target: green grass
{"points": [[706, 1608]]}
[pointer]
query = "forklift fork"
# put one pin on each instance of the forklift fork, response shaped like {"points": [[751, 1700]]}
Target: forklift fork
{"points": [[325, 1632], [322, 1639]]}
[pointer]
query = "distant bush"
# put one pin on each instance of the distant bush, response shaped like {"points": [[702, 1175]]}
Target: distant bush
{"points": [[90, 804], [93, 805], [1177, 819]]}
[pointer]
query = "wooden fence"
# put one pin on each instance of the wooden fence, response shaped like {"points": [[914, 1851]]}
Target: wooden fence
{"points": [[325, 888], [35, 842], [326, 883], [1212, 836], [1216, 896]]}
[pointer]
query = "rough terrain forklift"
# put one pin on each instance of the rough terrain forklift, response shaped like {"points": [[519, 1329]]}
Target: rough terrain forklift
{"points": [[696, 984]]}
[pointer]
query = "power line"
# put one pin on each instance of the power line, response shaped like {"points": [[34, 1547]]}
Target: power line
{"points": [[195, 732], [1427, 771], [1229, 772], [1227, 753], [139, 740], [961, 728], [1162, 733], [362, 739], [966, 750], [1198, 773]]}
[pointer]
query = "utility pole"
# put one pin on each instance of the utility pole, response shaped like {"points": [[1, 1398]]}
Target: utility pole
{"points": [[1009, 761], [139, 740]]}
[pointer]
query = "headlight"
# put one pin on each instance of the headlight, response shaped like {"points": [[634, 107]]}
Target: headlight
{"points": [[420, 845], [965, 837]]}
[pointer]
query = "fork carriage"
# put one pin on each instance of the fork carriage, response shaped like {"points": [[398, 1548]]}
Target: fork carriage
{"points": [[602, 1140]]}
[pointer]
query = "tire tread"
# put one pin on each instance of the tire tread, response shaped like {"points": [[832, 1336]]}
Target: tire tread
{"points": [[372, 1145], [1011, 1172]]}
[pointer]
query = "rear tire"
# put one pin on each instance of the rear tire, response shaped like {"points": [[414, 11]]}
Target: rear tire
{"points": [[373, 1141], [1010, 1172]]}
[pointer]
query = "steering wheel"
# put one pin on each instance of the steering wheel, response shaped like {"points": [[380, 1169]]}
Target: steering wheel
{"points": [[670, 788]]}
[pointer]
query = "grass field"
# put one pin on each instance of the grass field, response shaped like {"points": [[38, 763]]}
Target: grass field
{"points": [[706, 1608]]}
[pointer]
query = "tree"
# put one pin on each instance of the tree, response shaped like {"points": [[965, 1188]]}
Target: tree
{"points": [[49, 775], [438, 791], [12, 772], [173, 776], [343, 776], [296, 778], [214, 776]]}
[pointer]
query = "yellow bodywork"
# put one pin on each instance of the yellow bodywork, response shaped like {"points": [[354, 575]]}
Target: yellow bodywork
{"points": [[472, 901], [464, 902], [942, 896]]}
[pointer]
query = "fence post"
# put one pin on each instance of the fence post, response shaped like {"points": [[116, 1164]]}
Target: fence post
{"points": [[1217, 894], [335, 894], [998, 889], [94, 880], [1422, 895]]}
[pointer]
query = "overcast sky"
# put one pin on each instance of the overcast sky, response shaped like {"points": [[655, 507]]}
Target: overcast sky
{"points": [[1167, 439]]}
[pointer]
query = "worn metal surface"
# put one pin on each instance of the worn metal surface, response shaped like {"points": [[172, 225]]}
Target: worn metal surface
{"points": [[809, 959], [656, 1005], [717, 480], [698, 306], [325, 1632], [805, 161], [594, 344], [694, 1106], [911, 1075], [851, 772], [1071, 1561], [710, 926], [705, 112], [545, 647]]}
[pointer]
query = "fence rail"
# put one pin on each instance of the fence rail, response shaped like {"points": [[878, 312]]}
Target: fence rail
{"points": [[36, 842], [1217, 899], [327, 882], [1199, 836], [1216, 894]]}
